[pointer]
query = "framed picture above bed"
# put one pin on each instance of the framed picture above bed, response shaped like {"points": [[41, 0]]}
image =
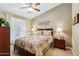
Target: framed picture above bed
{"points": [[76, 19], [44, 22]]}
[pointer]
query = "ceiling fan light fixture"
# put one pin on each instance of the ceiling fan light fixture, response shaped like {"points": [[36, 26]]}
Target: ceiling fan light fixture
{"points": [[30, 9]]}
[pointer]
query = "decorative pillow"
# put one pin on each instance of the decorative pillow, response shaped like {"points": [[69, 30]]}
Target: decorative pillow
{"points": [[29, 33]]}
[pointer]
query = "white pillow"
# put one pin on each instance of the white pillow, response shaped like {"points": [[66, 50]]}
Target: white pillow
{"points": [[47, 33]]}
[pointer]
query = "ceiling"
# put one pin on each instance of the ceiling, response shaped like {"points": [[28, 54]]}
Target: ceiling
{"points": [[14, 8]]}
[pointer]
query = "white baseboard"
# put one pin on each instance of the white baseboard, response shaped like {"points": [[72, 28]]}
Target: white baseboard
{"points": [[73, 52]]}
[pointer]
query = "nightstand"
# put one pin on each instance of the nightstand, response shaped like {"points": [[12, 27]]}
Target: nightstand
{"points": [[59, 43]]}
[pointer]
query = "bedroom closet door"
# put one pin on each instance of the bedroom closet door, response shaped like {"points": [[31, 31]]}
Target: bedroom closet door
{"points": [[4, 41]]}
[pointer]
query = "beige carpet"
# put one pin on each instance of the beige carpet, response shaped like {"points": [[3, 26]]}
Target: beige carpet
{"points": [[51, 52], [59, 52]]}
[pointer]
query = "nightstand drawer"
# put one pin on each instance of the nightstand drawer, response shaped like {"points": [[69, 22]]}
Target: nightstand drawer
{"points": [[58, 43]]}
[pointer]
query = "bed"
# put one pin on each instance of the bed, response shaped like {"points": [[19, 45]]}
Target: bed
{"points": [[36, 44]]}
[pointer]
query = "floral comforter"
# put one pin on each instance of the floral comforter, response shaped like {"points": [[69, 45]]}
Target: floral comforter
{"points": [[35, 44]]}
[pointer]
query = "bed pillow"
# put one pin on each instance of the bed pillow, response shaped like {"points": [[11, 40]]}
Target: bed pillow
{"points": [[38, 33], [47, 33]]}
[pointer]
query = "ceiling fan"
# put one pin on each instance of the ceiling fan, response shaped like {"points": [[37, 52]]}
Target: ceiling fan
{"points": [[31, 7]]}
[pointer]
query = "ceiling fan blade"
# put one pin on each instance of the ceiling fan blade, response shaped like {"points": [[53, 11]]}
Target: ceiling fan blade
{"points": [[23, 7], [26, 3], [36, 9], [36, 4]]}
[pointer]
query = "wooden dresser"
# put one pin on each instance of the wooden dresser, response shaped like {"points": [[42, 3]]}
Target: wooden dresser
{"points": [[4, 41]]}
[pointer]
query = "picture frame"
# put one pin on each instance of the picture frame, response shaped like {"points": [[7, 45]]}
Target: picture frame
{"points": [[76, 19]]}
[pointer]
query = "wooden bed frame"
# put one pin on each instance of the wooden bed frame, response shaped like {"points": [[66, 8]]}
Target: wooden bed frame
{"points": [[23, 52], [47, 29]]}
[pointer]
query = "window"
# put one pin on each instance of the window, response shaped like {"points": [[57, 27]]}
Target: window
{"points": [[18, 28]]}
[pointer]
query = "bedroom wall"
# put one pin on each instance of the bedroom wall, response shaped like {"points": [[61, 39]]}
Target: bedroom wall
{"points": [[60, 16], [75, 9]]}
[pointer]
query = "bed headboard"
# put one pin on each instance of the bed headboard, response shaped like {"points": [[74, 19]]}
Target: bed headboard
{"points": [[46, 29]]}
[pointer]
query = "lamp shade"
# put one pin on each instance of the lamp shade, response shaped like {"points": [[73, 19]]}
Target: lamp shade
{"points": [[59, 29], [33, 29]]}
